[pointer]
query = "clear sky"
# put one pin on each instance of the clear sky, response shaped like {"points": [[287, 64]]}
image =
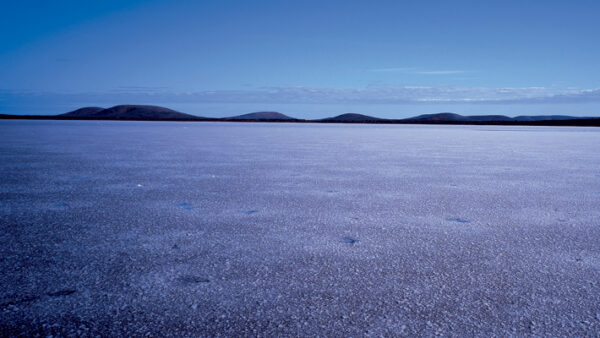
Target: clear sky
{"points": [[307, 59]]}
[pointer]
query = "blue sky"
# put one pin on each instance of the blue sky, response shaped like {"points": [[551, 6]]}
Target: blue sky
{"points": [[304, 58]]}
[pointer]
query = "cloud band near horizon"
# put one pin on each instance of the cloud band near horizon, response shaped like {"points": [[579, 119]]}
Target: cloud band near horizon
{"points": [[314, 95]]}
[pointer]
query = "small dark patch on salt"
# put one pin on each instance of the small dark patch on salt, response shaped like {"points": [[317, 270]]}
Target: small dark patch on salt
{"points": [[349, 240], [331, 191], [190, 280], [250, 212], [185, 205], [175, 247], [456, 219], [61, 293], [22, 300]]}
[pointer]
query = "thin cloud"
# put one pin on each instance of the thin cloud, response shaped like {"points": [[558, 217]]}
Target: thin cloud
{"points": [[317, 95], [408, 70], [440, 72], [392, 70], [153, 89]]}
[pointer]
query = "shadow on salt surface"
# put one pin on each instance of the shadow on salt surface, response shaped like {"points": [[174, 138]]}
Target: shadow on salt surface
{"points": [[349, 240], [19, 300], [185, 205], [458, 220], [61, 293], [31, 299], [188, 280], [60, 206]]}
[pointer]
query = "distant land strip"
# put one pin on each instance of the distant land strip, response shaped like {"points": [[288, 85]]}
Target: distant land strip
{"points": [[156, 113]]}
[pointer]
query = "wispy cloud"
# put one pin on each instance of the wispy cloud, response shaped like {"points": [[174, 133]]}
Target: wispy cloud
{"points": [[440, 72], [316, 95], [142, 89], [410, 70], [392, 70]]}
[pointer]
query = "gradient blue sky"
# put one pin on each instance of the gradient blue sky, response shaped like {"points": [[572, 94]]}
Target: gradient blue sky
{"points": [[304, 58]]}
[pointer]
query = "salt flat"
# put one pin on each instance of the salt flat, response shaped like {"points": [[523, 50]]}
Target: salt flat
{"points": [[237, 229]]}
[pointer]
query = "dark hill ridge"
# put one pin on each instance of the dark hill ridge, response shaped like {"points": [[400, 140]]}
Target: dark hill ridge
{"points": [[451, 117], [131, 112], [85, 111], [351, 117], [487, 118], [437, 117], [265, 115], [545, 118], [155, 113]]}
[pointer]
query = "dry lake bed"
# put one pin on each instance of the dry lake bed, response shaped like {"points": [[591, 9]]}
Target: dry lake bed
{"points": [[252, 229]]}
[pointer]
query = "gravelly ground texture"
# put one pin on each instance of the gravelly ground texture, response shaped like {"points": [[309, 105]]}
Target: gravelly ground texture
{"points": [[233, 229]]}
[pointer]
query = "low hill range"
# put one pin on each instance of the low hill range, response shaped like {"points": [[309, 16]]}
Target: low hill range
{"points": [[131, 112], [156, 113], [351, 117], [261, 116], [446, 117], [449, 117]]}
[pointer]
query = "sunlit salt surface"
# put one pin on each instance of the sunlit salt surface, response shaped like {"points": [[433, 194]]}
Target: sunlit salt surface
{"points": [[204, 229]]}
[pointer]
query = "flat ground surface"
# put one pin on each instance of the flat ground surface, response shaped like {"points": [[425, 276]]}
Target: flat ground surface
{"points": [[205, 229]]}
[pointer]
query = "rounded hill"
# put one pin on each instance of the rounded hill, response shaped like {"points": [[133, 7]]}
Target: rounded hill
{"points": [[131, 112], [265, 115]]}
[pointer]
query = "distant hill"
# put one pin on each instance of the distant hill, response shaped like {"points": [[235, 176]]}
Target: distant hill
{"points": [[451, 117], [85, 111], [350, 117], [487, 118], [440, 117], [155, 113], [265, 115], [545, 118], [130, 112]]}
